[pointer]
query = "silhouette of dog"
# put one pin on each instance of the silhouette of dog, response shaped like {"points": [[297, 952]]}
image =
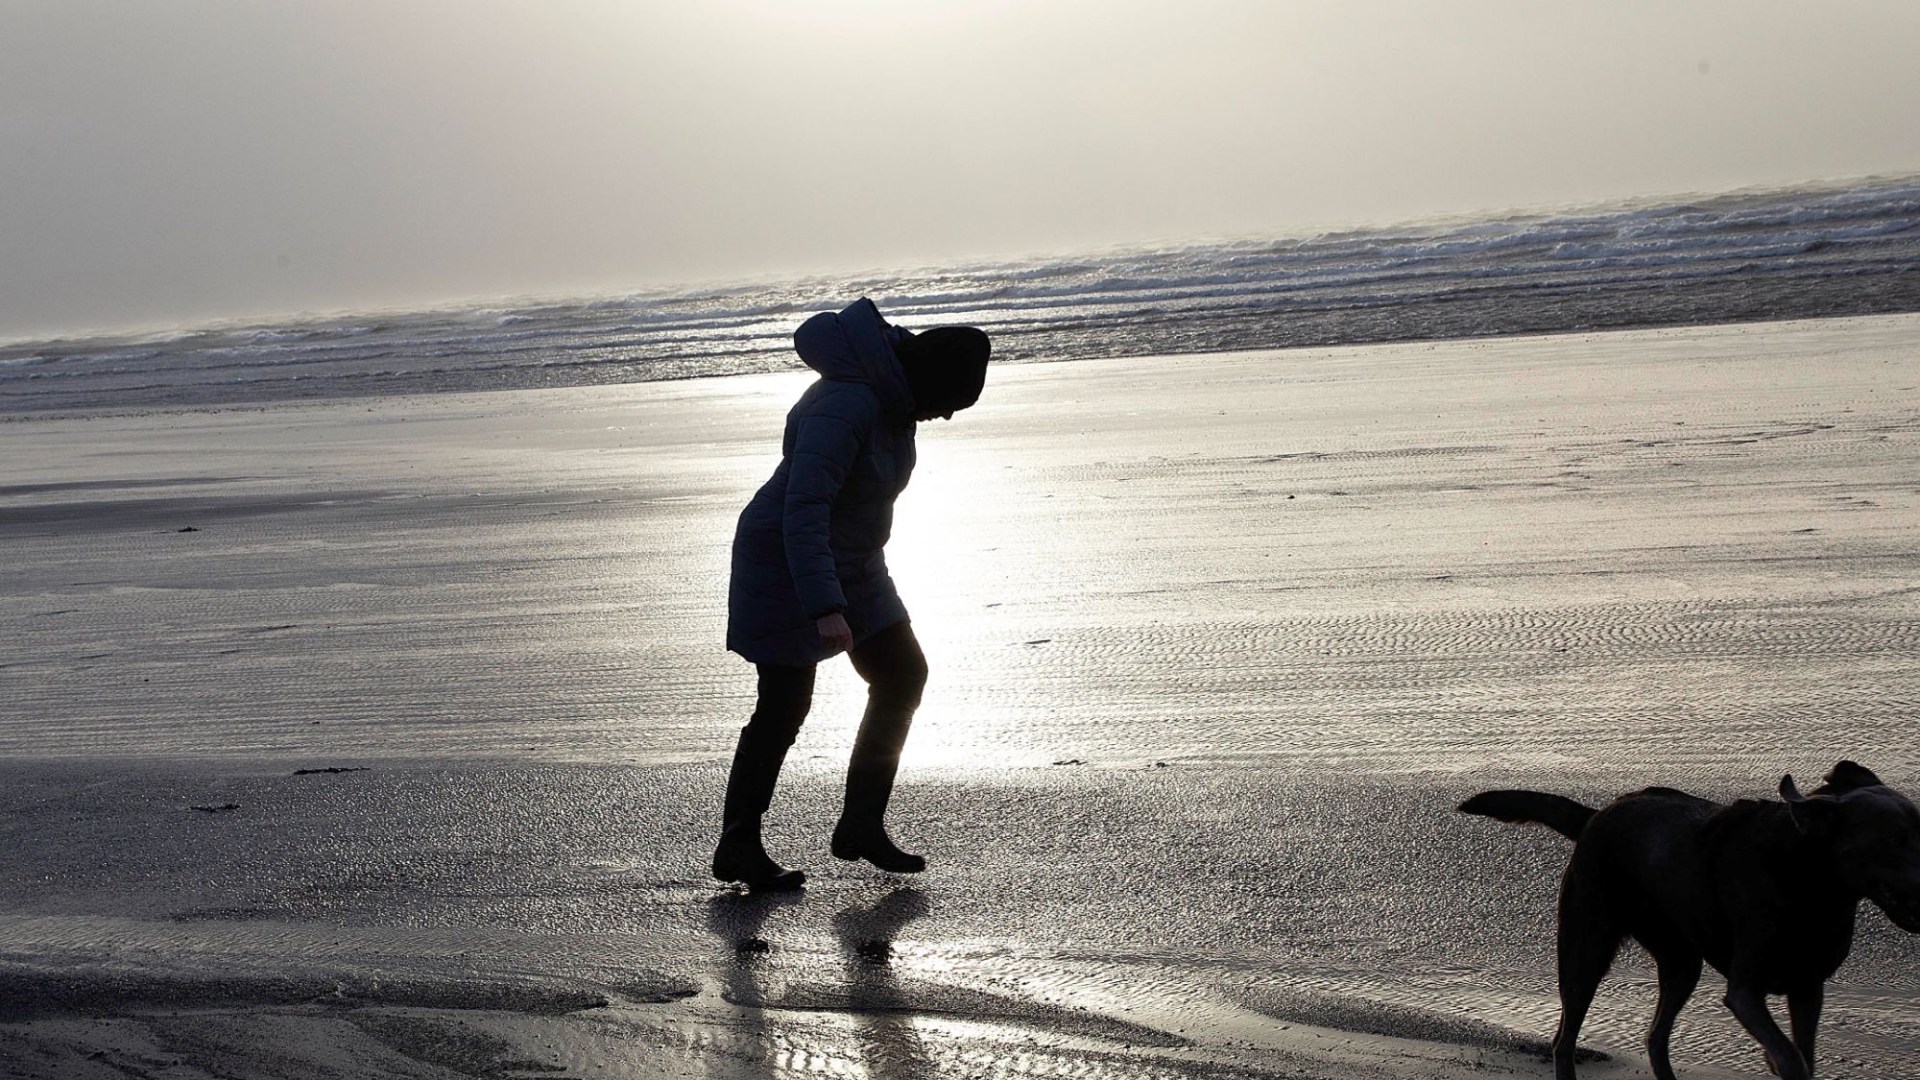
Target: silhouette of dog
{"points": [[1764, 891]]}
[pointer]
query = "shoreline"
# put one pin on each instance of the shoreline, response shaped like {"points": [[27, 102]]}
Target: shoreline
{"points": [[1330, 342]]}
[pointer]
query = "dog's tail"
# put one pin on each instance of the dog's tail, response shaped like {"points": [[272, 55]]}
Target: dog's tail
{"points": [[1556, 812]]}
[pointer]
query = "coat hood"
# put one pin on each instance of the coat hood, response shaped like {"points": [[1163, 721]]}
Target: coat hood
{"points": [[856, 345]]}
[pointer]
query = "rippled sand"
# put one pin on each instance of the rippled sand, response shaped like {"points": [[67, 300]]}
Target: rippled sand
{"points": [[1217, 643]]}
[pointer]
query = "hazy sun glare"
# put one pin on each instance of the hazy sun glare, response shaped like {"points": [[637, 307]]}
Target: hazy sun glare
{"points": [[951, 557]]}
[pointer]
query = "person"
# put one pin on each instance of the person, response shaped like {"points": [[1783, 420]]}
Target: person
{"points": [[809, 576]]}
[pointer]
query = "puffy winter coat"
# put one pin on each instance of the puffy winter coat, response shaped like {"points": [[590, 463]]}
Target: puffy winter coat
{"points": [[809, 543]]}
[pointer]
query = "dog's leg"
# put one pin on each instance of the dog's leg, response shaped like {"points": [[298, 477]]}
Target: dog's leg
{"points": [[1749, 1005], [1803, 1016], [1588, 940], [1678, 976]]}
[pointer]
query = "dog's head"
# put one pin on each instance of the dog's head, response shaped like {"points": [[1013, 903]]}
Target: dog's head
{"points": [[1873, 832]]}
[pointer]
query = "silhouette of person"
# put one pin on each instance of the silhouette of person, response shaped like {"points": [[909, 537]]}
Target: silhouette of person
{"points": [[809, 577]]}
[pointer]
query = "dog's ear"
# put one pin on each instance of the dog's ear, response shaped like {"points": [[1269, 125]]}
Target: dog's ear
{"points": [[1848, 775], [1811, 813]]}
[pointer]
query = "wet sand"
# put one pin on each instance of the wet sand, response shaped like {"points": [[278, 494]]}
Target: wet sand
{"points": [[1217, 641]]}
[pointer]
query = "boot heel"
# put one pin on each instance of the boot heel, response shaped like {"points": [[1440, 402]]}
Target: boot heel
{"points": [[740, 857], [854, 841]]}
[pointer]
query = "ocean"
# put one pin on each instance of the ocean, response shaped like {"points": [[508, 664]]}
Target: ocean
{"points": [[1805, 252]]}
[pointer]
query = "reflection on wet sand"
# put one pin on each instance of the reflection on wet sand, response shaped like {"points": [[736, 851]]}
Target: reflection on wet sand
{"points": [[891, 1044], [880, 1011], [739, 919]]}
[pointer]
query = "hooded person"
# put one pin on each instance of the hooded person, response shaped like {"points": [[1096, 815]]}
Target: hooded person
{"points": [[809, 576]]}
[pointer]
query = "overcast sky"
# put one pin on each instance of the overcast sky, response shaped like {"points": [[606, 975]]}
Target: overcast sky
{"points": [[171, 161]]}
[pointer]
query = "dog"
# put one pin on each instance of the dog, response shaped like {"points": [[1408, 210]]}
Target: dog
{"points": [[1764, 891]]}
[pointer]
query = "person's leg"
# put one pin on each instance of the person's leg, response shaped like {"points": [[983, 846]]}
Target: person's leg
{"points": [[785, 695], [896, 672]]}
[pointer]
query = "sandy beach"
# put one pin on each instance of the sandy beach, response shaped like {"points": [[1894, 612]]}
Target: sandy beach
{"points": [[386, 737]]}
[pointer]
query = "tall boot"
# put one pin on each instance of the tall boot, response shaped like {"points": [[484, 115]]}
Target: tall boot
{"points": [[740, 856], [861, 833]]}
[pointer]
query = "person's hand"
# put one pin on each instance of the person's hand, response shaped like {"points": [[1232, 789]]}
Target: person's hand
{"points": [[835, 634]]}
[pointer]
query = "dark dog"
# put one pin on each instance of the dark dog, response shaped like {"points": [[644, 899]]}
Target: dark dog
{"points": [[1763, 891]]}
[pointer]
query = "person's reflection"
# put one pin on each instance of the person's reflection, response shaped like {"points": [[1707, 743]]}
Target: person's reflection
{"points": [[867, 933], [737, 919]]}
